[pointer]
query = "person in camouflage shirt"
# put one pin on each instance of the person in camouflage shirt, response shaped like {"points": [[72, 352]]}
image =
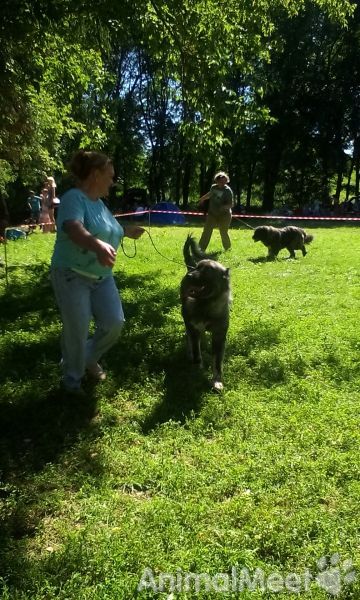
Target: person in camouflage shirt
{"points": [[220, 203]]}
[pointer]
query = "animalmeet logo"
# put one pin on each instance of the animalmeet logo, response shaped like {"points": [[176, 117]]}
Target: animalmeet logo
{"points": [[333, 575]]}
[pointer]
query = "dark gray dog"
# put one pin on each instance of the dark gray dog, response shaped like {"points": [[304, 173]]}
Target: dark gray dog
{"points": [[205, 298], [292, 238]]}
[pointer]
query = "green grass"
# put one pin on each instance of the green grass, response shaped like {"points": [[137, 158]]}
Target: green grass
{"points": [[155, 470]]}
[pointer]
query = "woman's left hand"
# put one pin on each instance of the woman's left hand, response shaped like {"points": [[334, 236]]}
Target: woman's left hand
{"points": [[133, 231]]}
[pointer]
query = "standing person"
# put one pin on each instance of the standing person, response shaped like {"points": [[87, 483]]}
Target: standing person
{"points": [[34, 204], [51, 195], [4, 219], [45, 221], [220, 199], [81, 269], [56, 207]]}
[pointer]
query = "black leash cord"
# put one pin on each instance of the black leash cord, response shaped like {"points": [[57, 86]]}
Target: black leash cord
{"points": [[128, 255], [245, 223], [190, 267], [155, 248], [162, 255]]}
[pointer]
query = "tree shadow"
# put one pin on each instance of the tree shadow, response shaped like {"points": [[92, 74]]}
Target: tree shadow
{"points": [[36, 410], [259, 335], [252, 354], [27, 360], [38, 427], [27, 295], [152, 350], [185, 385], [36, 430], [38, 421], [159, 300]]}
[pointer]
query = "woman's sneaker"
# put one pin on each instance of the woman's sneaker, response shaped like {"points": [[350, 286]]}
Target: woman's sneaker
{"points": [[96, 372]]}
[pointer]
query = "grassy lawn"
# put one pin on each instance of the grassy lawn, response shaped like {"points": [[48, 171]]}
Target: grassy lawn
{"points": [[155, 471]]}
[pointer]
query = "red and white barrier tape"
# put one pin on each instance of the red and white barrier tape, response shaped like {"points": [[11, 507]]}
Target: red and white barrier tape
{"points": [[298, 218], [201, 214], [241, 216]]}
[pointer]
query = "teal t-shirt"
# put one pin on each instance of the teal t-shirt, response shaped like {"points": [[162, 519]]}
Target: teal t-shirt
{"points": [[35, 203], [97, 219]]}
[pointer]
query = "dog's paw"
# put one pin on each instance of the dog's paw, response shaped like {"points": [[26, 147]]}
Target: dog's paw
{"points": [[217, 386]]}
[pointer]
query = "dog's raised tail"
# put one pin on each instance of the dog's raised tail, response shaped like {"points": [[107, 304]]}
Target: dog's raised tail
{"points": [[193, 253]]}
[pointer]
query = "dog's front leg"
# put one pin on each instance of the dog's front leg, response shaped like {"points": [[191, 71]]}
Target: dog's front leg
{"points": [[272, 253], [218, 351], [194, 347]]}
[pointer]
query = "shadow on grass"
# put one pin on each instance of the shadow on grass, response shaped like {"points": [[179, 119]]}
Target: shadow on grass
{"points": [[253, 356], [26, 360], [266, 259], [31, 293], [38, 424], [37, 421], [34, 433], [36, 428], [258, 335], [185, 385], [152, 350], [258, 259], [151, 308]]}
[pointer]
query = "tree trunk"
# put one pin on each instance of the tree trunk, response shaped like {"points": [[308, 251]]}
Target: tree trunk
{"points": [[186, 179], [348, 185], [250, 182], [273, 154], [339, 184], [356, 158], [178, 171]]}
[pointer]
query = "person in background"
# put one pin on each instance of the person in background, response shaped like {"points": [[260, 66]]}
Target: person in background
{"points": [[56, 204], [81, 269], [45, 221], [4, 218], [51, 195], [220, 203], [34, 204]]}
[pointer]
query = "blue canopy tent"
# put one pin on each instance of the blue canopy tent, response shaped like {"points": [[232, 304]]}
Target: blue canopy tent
{"points": [[173, 217]]}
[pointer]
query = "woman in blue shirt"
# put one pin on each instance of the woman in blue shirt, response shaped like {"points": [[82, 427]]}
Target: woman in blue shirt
{"points": [[81, 269]]}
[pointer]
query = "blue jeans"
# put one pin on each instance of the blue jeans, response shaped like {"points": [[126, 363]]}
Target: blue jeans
{"points": [[80, 299]]}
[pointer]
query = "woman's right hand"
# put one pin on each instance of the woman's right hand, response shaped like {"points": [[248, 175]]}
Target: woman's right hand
{"points": [[105, 253]]}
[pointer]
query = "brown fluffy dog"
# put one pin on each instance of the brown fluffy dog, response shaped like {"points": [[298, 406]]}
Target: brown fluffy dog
{"points": [[291, 238]]}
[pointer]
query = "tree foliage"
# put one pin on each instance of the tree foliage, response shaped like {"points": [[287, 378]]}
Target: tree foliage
{"points": [[268, 90]]}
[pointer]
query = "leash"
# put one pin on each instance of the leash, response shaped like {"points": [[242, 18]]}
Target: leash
{"points": [[163, 255], [155, 248], [123, 249], [189, 267], [242, 221]]}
